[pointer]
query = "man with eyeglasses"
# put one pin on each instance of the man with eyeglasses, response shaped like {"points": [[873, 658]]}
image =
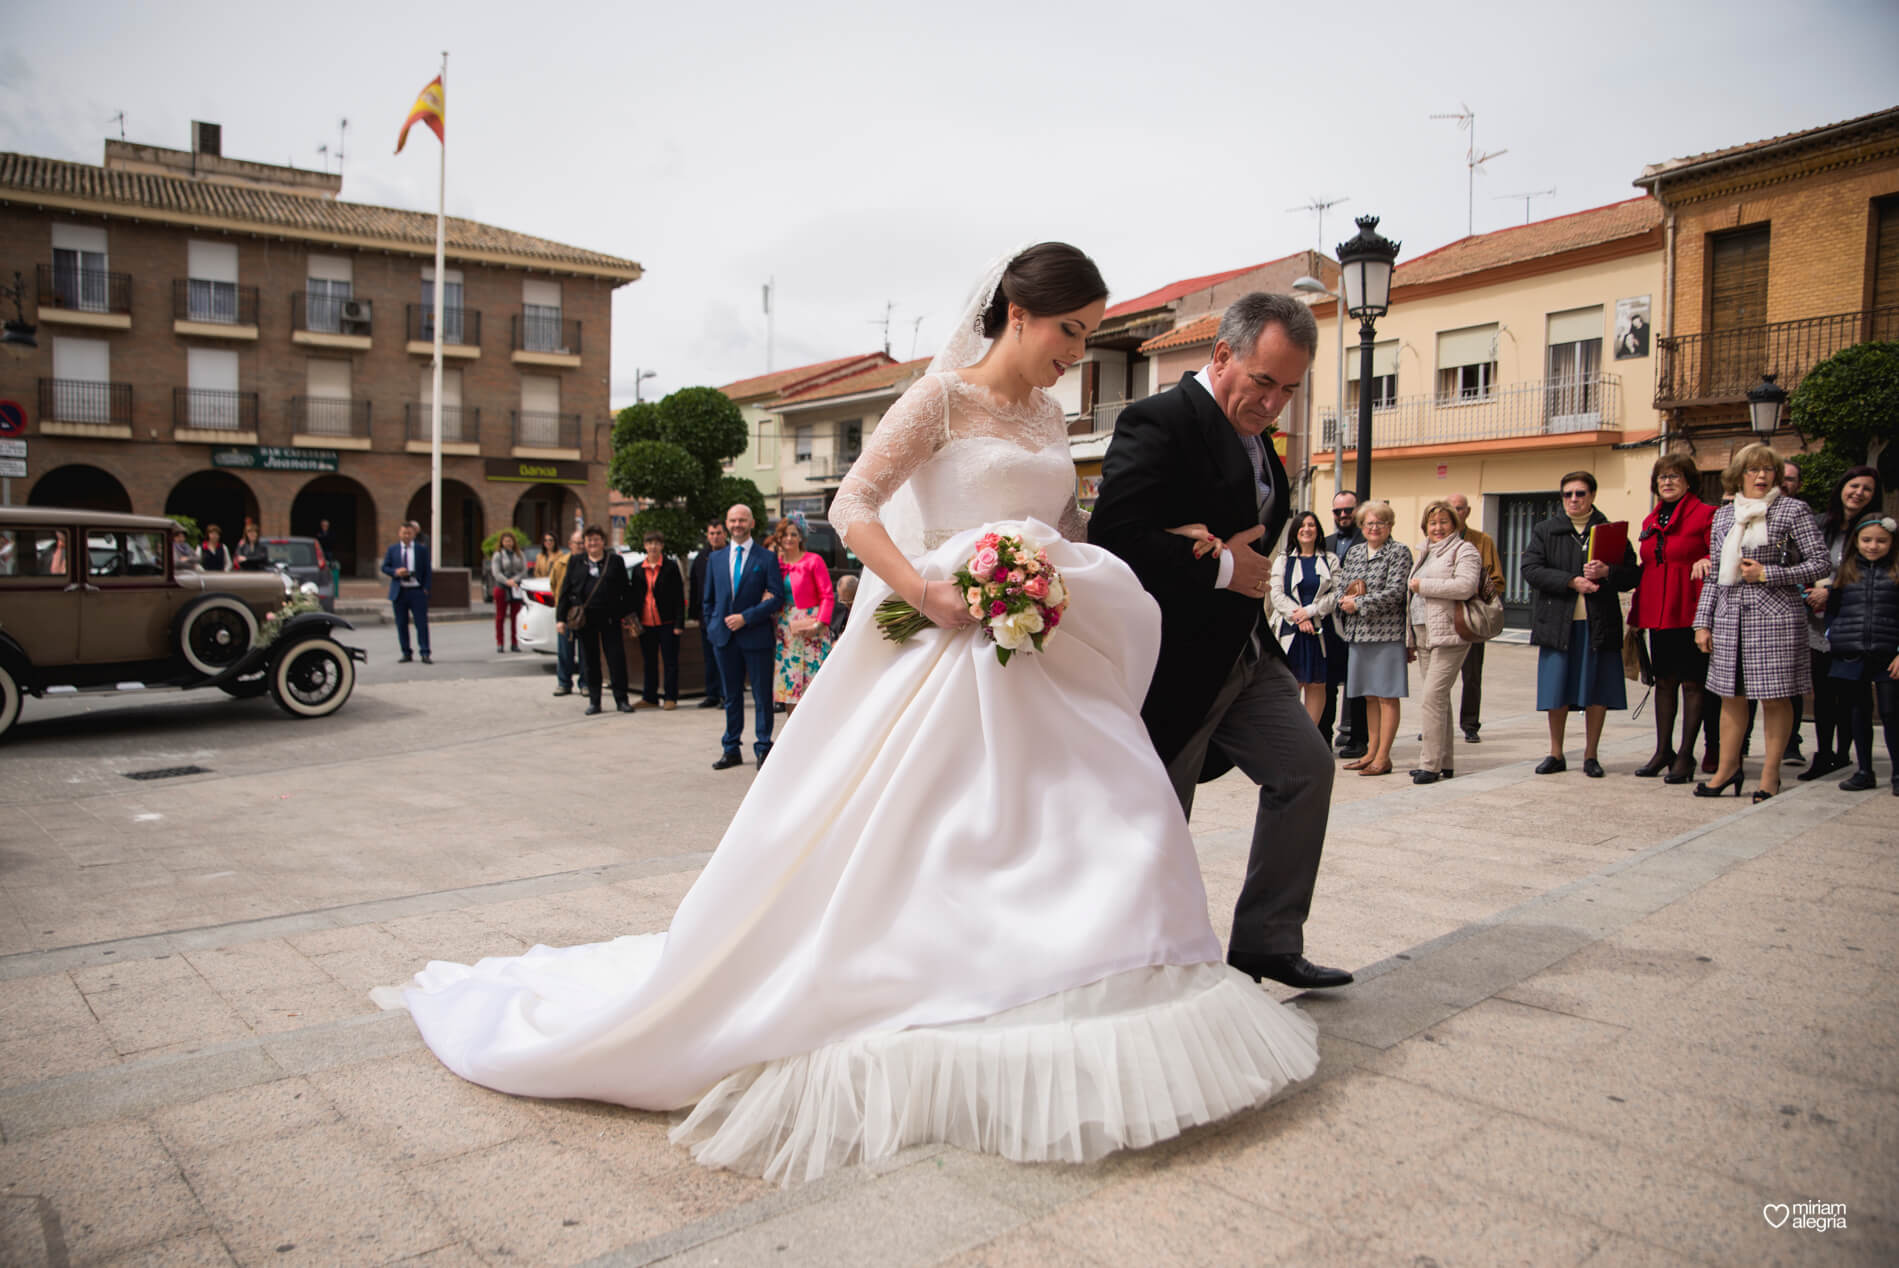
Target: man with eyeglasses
{"points": [[1352, 729], [1471, 706]]}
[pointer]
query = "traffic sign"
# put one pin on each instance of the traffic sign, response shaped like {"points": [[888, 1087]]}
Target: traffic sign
{"points": [[12, 418], [12, 449]]}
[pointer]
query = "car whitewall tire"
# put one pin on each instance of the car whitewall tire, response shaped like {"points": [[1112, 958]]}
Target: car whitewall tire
{"points": [[215, 632], [9, 700], [312, 678]]}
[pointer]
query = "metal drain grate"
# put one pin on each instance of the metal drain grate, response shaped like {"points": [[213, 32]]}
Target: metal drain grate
{"points": [[167, 772]]}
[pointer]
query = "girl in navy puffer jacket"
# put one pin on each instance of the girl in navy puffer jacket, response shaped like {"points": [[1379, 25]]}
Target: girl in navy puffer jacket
{"points": [[1863, 635]]}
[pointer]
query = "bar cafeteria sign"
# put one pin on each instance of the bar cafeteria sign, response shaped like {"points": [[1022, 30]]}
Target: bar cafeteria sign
{"points": [[273, 458], [536, 471]]}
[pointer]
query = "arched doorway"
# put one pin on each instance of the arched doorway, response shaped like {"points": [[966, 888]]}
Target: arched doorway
{"points": [[214, 497], [549, 508], [82, 487], [463, 525], [352, 515]]}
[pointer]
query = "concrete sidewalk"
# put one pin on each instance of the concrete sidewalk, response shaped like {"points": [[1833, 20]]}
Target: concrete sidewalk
{"points": [[1597, 1020]]}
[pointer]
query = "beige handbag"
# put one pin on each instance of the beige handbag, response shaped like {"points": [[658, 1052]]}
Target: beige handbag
{"points": [[1480, 618]]}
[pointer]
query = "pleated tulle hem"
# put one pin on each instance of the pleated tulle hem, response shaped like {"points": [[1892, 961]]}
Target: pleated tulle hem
{"points": [[1126, 1062]]}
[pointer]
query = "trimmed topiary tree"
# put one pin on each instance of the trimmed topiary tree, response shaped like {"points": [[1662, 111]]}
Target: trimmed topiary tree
{"points": [[1850, 403], [672, 454]]}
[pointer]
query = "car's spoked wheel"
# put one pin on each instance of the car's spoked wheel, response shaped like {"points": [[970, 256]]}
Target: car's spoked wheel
{"points": [[215, 633], [313, 678], [9, 701]]}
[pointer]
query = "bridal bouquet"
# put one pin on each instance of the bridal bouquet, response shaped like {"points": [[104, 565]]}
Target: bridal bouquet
{"points": [[1011, 589]]}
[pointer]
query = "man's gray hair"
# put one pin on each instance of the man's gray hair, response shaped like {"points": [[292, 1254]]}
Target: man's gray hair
{"points": [[1251, 314]]}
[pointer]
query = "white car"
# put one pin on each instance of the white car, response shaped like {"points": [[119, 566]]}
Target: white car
{"points": [[534, 623]]}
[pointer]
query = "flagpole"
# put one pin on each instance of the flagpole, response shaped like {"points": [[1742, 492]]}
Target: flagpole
{"points": [[436, 533]]}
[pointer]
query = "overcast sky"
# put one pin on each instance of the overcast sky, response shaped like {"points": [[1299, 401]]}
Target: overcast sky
{"points": [[870, 152]]}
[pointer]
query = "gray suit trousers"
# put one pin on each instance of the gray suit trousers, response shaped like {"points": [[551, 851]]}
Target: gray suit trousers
{"points": [[1260, 721]]}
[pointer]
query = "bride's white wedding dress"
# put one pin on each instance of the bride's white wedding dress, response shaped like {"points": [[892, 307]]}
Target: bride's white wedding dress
{"points": [[963, 904]]}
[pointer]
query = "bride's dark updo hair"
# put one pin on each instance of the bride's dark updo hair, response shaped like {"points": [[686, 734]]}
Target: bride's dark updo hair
{"points": [[1046, 279]]}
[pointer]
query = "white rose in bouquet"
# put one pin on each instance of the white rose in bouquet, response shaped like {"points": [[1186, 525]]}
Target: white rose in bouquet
{"points": [[1017, 630]]}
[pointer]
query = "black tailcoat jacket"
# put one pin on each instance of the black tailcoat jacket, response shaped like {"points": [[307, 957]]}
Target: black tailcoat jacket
{"points": [[1174, 460]]}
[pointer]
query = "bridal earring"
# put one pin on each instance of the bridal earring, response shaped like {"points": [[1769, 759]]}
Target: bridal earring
{"points": [[1018, 330]]}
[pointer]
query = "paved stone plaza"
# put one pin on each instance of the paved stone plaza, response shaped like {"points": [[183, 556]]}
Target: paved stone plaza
{"points": [[1597, 1021]]}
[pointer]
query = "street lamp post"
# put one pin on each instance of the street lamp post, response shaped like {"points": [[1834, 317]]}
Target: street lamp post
{"points": [[1764, 400], [640, 376], [1365, 272]]}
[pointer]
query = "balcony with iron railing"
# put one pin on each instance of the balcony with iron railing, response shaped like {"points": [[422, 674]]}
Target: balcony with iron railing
{"points": [[544, 339], [222, 310], [84, 297], [230, 414], [461, 425], [330, 420], [546, 433], [86, 404], [1553, 407], [330, 321], [1718, 367], [461, 331]]}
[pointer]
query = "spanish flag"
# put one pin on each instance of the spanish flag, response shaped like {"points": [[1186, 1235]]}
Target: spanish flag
{"points": [[430, 108]]}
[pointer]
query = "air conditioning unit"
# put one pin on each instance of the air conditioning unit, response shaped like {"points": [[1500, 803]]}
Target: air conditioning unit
{"points": [[357, 310]]}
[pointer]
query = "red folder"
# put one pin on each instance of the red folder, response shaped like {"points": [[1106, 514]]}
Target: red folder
{"points": [[1609, 542]]}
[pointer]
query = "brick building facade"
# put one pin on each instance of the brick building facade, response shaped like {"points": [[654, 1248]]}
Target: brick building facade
{"points": [[1780, 253], [225, 339]]}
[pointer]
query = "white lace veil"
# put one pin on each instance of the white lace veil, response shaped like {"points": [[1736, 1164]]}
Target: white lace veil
{"points": [[902, 515]]}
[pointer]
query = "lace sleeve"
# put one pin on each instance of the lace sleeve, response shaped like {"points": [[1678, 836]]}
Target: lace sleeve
{"points": [[908, 435]]}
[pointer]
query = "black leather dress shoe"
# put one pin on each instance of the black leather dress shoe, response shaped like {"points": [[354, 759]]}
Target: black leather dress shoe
{"points": [[1592, 768], [563, 691], [1424, 777], [404, 659], [591, 709], [761, 760], [1551, 766], [727, 761], [1291, 969], [624, 707], [1446, 773], [1470, 735], [426, 660], [712, 702], [1354, 752]]}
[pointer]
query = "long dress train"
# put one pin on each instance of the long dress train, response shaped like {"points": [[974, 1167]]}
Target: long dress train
{"points": [[962, 904]]}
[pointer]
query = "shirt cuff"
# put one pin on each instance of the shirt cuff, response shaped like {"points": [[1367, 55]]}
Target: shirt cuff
{"points": [[1226, 571]]}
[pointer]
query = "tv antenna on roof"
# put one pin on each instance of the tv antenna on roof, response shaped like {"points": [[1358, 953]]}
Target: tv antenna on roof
{"points": [[323, 153], [916, 328], [119, 119], [1526, 197], [342, 135], [1473, 160], [884, 321], [1319, 206]]}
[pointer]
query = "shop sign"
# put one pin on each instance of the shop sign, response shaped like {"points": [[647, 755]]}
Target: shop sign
{"points": [[273, 458], [536, 471]]}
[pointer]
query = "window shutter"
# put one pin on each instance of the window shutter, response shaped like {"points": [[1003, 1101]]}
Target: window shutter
{"points": [[212, 261], [211, 369], [540, 394], [1575, 326], [540, 293], [329, 379], [89, 238], [1737, 293], [329, 268], [1384, 360], [1886, 253], [1473, 345]]}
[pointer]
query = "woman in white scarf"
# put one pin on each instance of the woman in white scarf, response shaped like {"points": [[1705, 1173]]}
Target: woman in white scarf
{"points": [[1751, 618]]}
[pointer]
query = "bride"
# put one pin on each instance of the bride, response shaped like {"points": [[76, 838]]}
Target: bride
{"points": [[971, 911]]}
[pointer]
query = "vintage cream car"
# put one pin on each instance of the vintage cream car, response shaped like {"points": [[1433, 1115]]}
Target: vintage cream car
{"points": [[121, 613]]}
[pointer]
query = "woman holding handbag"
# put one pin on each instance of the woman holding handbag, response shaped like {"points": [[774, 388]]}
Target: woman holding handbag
{"points": [[506, 567], [1450, 570], [1674, 540], [1304, 593], [594, 597]]}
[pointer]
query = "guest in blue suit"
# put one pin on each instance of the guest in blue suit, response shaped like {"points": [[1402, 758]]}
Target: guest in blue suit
{"points": [[406, 564], [744, 588]]}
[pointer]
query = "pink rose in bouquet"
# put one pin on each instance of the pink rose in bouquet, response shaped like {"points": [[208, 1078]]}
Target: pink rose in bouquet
{"points": [[1011, 590]]}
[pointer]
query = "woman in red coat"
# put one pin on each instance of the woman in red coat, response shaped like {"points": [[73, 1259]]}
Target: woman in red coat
{"points": [[1674, 554]]}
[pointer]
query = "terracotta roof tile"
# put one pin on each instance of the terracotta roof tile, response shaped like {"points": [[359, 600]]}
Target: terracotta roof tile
{"points": [[1199, 330], [882, 376], [777, 381], [1187, 286], [1670, 167], [23, 177], [1627, 219]]}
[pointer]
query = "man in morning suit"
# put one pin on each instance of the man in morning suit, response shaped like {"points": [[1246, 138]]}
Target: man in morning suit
{"points": [[743, 590], [406, 564], [695, 611], [1222, 694]]}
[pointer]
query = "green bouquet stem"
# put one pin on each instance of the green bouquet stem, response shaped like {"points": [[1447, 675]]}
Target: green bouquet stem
{"points": [[900, 621]]}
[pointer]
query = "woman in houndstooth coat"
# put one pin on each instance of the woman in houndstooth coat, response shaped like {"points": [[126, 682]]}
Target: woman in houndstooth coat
{"points": [[1765, 549]]}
